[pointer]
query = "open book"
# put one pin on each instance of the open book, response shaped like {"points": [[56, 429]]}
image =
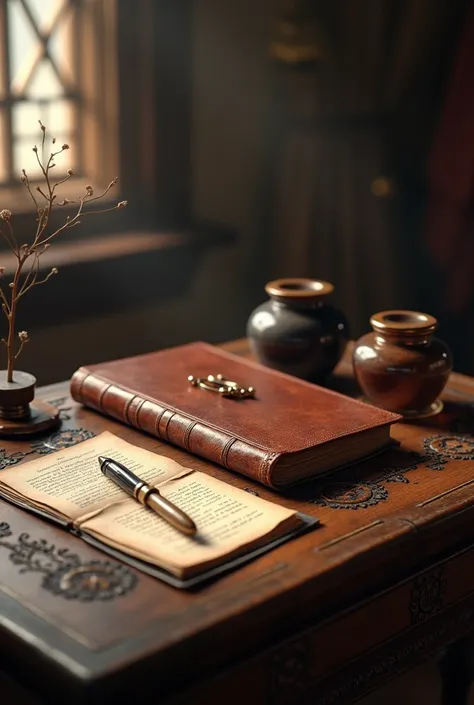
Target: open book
{"points": [[233, 526]]}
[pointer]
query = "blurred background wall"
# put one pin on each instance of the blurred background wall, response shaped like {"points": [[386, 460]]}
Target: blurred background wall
{"points": [[306, 132]]}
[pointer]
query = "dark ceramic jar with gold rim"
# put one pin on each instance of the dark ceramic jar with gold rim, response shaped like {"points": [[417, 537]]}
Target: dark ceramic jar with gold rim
{"points": [[297, 330], [401, 366]]}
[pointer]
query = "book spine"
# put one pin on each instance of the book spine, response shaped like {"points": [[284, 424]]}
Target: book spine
{"points": [[172, 426]]}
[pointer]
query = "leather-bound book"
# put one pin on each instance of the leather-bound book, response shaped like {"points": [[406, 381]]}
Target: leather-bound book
{"points": [[289, 432]]}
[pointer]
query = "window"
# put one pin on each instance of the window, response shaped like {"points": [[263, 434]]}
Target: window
{"points": [[57, 65], [111, 78], [40, 58]]}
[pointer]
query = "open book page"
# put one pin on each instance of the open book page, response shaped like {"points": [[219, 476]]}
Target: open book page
{"points": [[228, 520], [71, 483]]}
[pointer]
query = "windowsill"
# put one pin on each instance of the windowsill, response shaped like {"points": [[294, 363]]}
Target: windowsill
{"points": [[116, 272], [96, 249]]}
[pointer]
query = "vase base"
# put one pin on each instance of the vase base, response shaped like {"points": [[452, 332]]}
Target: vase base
{"points": [[432, 410], [43, 417]]}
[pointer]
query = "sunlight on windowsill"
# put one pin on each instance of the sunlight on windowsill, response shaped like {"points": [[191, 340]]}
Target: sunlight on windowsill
{"points": [[106, 247]]}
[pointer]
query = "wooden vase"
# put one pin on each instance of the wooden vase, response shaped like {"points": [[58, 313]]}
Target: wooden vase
{"points": [[20, 413]]}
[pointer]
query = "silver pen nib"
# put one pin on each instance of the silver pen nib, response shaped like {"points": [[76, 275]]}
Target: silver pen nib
{"points": [[102, 461]]}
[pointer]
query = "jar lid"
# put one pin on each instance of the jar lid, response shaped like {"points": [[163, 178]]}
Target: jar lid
{"points": [[403, 322], [298, 288]]}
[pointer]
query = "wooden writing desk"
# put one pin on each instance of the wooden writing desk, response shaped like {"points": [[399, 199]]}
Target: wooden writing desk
{"points": [[385, 583]]}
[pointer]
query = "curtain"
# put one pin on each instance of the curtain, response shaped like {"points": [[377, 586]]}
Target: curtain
{"points": [[357, 116]]}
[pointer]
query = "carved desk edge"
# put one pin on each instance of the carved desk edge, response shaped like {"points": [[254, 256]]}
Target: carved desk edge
{"points": [[438, 610]]}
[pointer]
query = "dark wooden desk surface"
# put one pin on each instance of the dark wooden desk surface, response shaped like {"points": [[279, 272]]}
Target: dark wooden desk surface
{"points": [[385, 583]]}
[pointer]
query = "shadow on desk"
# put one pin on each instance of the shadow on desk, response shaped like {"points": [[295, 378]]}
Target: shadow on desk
{"points": [[11, 693]]}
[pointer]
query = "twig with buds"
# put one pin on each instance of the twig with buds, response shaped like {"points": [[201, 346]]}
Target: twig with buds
{"points": [[28, 255]]}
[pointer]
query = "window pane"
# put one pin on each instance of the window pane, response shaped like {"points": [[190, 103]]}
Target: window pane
{"points": [[43, 10], [46, 79], [22, 41], [45, 83], [61, 46], [42, 79], [24, 158], [25, 120], [3, 169], [59, 118]]}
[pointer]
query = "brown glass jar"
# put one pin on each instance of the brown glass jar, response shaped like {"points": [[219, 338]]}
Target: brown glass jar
{"points": [[297, 330], [401, 366]]}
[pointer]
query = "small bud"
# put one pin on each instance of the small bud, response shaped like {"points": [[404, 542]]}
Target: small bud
{"points": [[113, 182], [122, 204], [35, 148], [89, 191], [54, 140], [41, 125], [5, 214], [70, 172], [65, 146], [23, 335], [54, 270], [11, 285], [23, 179]]}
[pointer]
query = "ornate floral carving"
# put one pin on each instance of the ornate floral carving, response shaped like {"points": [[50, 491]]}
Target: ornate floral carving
{"points": [[289, 670], [8, 459], [350, 495], [396, 473], [64, 573], [427, 594], [56, 441], [60, 440], [92, 580], [409, 651], [439, 450]]}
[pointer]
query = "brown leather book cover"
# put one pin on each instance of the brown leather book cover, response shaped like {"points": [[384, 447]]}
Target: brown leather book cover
{"points": [[290, 432]]}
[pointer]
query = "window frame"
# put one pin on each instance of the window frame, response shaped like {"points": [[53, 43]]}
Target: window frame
{"points": [[137, 117]]}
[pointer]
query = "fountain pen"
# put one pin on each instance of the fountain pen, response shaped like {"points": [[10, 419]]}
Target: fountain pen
{"points": [[146, 495]]}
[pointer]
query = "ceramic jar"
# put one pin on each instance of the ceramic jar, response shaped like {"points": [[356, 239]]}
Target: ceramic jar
{"points": [[297, 330], [401, 366]]}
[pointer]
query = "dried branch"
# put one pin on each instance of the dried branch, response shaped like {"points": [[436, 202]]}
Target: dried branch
{"points": [[28, 255]]}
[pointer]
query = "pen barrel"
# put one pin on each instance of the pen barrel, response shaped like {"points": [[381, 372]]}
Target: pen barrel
{"points": [[122, 476], [170, 512]]}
